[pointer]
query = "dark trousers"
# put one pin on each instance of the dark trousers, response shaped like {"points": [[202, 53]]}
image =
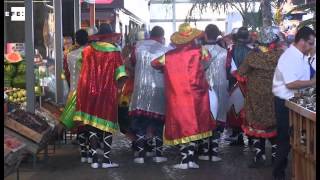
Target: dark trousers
{"points": [[283, 138], [139, 126], [96, 136], [83, 138]]}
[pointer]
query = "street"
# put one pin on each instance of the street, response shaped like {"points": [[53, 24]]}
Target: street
{"points": [[65, 164]]}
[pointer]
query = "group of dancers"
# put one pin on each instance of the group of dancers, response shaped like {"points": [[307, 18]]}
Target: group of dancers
{"points": [[184, 94]]}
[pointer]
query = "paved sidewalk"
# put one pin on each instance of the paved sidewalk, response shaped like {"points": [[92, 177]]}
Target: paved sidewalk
{"points": [[65, 165]]}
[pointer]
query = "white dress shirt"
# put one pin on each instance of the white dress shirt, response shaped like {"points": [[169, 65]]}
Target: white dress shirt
{"points": [[292, 66]]}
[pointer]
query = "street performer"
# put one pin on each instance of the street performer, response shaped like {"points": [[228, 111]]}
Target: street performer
{"points": [[217, 79], [237, 91], [188, 117], [74, 59], [147, 102], [102, 73]]}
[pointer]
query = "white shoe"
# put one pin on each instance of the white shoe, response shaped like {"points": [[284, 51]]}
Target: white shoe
{"points": [[204, 158], [181, 166], [150, 154], [138, 160], [110, 165], [89, 160], [84, 159], [159, 159], [215, 158], [193, 165], [94, 165]]}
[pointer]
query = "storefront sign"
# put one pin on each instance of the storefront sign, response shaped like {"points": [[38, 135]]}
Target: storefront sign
{"points": [[15, 47], [106, 3], [99, 1], [17, 14]]}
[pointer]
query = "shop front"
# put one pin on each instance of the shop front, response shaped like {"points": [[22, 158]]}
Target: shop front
{"points": [[34, 89]]}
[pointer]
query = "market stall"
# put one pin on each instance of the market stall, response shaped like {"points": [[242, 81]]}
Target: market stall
{"points": [[32, 68], [302, 116], [13, 153]]}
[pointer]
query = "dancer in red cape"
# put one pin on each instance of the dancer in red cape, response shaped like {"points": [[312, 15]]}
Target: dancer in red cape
{"points": [[188, 116]]}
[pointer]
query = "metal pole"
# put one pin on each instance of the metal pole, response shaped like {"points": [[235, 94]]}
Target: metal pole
{"points": [[77, 15], [58, 49], [29, 52], [5, 27], [92, 15], [174, 15]]}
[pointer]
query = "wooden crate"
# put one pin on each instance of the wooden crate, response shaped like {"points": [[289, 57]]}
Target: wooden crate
{"points": [[55, 110], [303, 142], [12, 160], [31, 146], [25, 131]]}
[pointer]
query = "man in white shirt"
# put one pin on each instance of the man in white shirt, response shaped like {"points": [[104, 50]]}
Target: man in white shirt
{"points": [[292, 73]]}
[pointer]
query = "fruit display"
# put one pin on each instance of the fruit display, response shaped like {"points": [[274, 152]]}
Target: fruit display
{"points": [[9, 72], [12, 143], [306, 98], [13, 57], [16, 95], [29, 120], [21, 69], [19, 81], [9, 69]]}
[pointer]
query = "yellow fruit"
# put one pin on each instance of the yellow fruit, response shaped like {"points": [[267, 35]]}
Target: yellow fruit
{"points": [[15, 95]]}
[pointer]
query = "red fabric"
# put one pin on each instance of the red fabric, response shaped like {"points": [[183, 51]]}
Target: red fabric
{"points": [[235, 120], [272, 46], [242, 82], [256, 131], [97, 86], [186, 91], [239, 78], [257, 134]]}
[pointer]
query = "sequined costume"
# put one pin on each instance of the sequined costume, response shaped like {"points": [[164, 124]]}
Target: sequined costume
{"points": [[73, 60], [217, 79], [148, 94], [188, 116], [97, 102], [74, 66], [147, 102]]}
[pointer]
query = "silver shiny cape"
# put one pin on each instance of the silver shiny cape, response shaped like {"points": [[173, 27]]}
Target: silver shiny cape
{"points": [[148, 91], [217, 78], [72, 59]]}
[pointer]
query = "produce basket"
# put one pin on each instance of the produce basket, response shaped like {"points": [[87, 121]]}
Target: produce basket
{"points": [[30, 126], [53, 108], [303, 141], [13, 154]]}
